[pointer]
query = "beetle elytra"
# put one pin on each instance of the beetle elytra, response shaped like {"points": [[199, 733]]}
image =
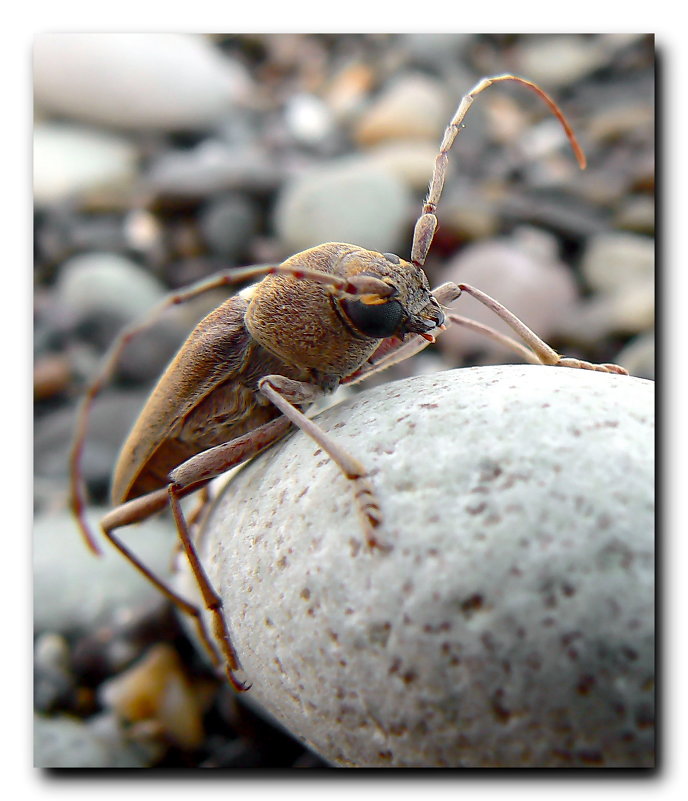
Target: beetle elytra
{"points": [[331, 315]]}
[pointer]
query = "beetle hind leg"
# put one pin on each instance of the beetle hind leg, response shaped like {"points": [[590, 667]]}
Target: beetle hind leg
{"points": [[137, 510]]}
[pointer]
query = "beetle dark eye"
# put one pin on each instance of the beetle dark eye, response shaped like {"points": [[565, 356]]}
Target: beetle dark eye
{"points": [[378, 320]]}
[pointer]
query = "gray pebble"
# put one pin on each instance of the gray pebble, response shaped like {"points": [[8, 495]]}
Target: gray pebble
{"points": [[112, 417], [511, 622], [228, 223], [211, 167], [99, 282], [65, 742], [53, 677], [74, 590], [350, 200]]}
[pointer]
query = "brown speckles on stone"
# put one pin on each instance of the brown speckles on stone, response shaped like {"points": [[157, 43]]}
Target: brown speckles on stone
{"points": [[437, 628], [471, 605], [305, 593], [378, 633], [585, 684], [500, 711]]}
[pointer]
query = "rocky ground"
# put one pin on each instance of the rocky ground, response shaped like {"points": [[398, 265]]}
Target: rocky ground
{"points": [[158, 160]]}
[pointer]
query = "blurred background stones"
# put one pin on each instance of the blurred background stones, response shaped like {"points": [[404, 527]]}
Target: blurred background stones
{"points": [[159, 159]]}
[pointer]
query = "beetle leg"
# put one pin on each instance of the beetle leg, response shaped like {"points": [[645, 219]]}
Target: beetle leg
{"points": [[133, 512], [284, 392], [541, 350], [212, 601], [190, 476]]}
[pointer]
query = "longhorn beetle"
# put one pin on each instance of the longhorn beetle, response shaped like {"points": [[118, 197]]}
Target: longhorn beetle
{"points": [[334, 314]]}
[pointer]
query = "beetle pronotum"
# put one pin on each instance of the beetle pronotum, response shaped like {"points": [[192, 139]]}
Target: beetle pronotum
{"points": [[331, 315]]}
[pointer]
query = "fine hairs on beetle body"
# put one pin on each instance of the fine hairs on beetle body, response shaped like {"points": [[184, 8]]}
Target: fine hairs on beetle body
{"points": [[334, 314]]}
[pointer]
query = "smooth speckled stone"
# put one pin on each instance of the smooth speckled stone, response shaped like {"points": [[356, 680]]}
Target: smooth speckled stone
{"points": [[511, 621]]}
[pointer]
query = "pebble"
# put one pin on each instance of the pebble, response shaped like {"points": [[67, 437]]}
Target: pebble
{"points": [[349, 200], [638, 356], [619, 267], [227, 224], [70, 160], [555, 61], [211, 167], [524, 274], [136, 81], [612, 260], [51, 375], [156, 690], [510, 623], [308, 118], [637, 214], [470, 212], [101, 742], [412, 107], [76, 591], [53, 677], [97, 282], [410, 160]]}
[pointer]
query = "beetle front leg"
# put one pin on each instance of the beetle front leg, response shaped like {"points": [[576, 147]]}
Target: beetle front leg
{"points": [[283, 393], [544, 353]]}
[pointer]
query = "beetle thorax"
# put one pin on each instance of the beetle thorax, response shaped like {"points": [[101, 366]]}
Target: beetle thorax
{"points": [[299, 322]]}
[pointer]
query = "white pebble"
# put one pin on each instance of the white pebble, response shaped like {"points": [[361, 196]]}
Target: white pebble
{"points": [[510, 624], [150, 81], [69, 160]]}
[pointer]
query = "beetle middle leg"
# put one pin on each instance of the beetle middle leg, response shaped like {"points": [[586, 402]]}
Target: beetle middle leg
{"points": [[284, 393]]}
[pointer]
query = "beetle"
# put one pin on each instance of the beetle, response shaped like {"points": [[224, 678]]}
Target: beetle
{"points": [[333, 314]]}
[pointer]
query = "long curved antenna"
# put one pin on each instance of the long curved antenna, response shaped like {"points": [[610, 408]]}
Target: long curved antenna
{"points": [[427, 222]]}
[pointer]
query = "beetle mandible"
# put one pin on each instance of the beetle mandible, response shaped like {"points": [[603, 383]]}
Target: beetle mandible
{"points": [[334, 314]]}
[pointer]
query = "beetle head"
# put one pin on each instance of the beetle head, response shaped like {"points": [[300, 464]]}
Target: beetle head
{"points": [[408, 307]]}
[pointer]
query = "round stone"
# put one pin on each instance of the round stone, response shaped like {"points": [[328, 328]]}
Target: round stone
{"points": [[509, 620]]}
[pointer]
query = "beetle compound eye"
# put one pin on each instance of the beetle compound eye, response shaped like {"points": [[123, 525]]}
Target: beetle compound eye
{"points": [[378, 320]]}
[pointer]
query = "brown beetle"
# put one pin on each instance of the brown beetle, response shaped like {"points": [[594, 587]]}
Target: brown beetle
{"points": [[331, 315]]}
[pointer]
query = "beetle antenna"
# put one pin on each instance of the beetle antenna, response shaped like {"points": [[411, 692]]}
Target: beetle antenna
{"points": [[427, 222]]}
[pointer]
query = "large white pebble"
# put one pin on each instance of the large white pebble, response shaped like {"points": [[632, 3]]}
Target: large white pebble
{"points": [[158, 81], [510, 624]]}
